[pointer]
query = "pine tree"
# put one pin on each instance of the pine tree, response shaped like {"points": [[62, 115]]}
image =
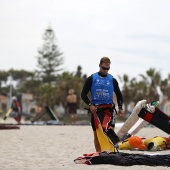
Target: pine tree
{"points": [[50, 58]]}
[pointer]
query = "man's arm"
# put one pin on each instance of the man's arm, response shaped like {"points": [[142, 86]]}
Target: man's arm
{"points": [[86, 89], [118, 94], [119, 97]]}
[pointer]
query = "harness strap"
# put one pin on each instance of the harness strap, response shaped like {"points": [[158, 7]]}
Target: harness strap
{"points": [[107, 118], [104, 106]]}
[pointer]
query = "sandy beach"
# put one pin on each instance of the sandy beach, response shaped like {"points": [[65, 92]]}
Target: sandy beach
{"points": [[54, 147]]}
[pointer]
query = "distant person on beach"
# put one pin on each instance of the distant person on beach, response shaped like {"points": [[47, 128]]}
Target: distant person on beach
{"points": [[72, 106], [16, 110], [38, 109], [102, 86]]}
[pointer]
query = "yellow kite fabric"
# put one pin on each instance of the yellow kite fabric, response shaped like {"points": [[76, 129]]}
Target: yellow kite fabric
{"points": [[105, 143], [7, 115]]}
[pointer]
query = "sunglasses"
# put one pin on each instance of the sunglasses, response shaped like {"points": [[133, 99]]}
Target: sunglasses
{"points": [[105, 68]]}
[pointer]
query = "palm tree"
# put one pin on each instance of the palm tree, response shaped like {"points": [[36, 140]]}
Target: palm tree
{"points": [[165, 86], [126, 89], [152, 80]]}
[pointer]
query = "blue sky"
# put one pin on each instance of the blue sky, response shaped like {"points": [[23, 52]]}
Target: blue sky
{"points": [[135, 34]]}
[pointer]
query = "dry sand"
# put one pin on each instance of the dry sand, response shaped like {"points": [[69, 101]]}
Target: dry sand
{"points": [[52, 147]]}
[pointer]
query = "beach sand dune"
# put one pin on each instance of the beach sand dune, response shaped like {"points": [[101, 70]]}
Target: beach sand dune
{"points": [[43, 147]]}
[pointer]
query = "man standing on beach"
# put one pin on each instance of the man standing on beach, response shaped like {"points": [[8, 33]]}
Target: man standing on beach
{"points": [[72, 106], [102, 86]]}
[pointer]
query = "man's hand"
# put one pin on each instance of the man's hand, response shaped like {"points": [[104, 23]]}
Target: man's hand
{"points": [[93, 109], [120, 113]]}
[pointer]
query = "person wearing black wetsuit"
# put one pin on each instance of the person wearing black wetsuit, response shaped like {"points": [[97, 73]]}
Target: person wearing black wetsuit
{"points": [[102, 87]]}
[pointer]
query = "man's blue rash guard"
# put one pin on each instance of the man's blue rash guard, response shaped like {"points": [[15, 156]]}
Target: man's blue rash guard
{"points": [[102, 89]]}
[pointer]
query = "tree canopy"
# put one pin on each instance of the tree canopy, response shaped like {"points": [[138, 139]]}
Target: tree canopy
{"points": [[50, 58]]}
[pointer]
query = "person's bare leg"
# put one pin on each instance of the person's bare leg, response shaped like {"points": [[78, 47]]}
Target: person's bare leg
{"points": [[74, 119], [96, 142], [71, 117]]}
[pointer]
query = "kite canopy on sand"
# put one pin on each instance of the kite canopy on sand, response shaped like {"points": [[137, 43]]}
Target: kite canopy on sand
{"points": [[124, 159]]}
